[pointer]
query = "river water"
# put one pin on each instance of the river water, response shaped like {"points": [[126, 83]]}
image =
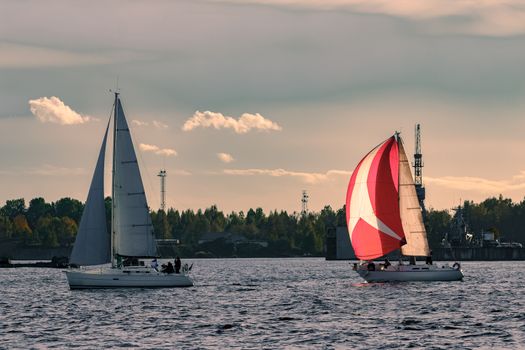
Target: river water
{"points": [[268, 304]]}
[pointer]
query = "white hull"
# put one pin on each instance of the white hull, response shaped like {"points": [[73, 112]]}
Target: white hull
{"points": [[133, 277], [406, 273]]}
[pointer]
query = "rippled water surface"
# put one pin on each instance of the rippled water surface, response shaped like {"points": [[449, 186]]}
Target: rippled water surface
{"points": [[268, 303]]}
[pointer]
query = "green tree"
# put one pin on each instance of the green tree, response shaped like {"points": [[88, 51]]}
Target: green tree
{"points": [[216, 218], [21, 228], [161, 224], [66, 230], [50, 229], [14, 207], [6, 227], [37, 208], [69, 207], [437, 224], [174, 221]]}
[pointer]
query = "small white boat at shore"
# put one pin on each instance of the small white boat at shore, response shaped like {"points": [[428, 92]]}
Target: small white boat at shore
{"points": [[132, 237], [383, 214]]}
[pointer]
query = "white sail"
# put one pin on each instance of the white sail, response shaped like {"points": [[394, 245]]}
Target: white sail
{"points": [[410, 211], [133, 230], [92, 244]]}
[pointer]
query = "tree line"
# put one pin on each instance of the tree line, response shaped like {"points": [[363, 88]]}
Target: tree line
{"points": [[55, 224]]}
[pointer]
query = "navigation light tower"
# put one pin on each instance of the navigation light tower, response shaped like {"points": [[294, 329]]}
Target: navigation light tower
{"points": [[162, 174], [304, 201]]}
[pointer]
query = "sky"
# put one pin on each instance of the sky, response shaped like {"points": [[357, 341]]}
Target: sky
{"points": [[248, 103]]}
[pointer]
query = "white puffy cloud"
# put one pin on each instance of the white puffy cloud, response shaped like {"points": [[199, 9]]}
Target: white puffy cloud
{"points": [[157, 150], [225, 157], [242, 125], [53, 110], [310, 178], [488, 17]]}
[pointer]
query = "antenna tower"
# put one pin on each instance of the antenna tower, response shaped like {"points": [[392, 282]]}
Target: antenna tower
{"points": [[162, 174], [304, 201], [418, 170]]}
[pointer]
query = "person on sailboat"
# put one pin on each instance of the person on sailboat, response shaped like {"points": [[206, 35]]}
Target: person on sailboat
{"points": [[386, 264], [428, 260], [155, 264], [178, 264], [168, 268]]}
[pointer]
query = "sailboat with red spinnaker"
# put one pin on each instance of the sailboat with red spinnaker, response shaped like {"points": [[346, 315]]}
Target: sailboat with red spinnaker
{"points": [[383, 214]]}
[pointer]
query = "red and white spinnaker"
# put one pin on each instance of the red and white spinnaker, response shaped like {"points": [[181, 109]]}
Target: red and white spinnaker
{"points": [[382, 209]]}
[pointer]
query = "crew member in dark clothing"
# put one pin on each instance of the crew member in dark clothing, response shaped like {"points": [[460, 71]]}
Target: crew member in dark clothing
{"points": [[169, 268], [386, 264], [412, 260], [429, 259], [177, 265]]}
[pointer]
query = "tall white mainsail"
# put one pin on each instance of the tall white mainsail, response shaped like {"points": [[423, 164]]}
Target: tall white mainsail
{"points": [[410, 211], [133, 230], [92, 244]]}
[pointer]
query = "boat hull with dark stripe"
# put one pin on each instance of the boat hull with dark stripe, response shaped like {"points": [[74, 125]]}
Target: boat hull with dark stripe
{"points": [[407, 273], [126, 278]]}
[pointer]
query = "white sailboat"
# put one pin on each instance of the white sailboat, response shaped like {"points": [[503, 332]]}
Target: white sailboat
{"points": [[383, 214], [132, 237]]}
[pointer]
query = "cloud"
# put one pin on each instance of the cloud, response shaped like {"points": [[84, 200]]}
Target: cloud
{"points": [[242, 125], [25, 56], [139, 123], [309, 178], [155, 123], [225, 157], [490, 17], [478, 184], [159, 125], [157, 150], [53, 110], [180, 172], [51, 170]]}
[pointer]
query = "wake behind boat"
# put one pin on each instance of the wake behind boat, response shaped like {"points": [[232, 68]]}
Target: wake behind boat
{"points": [[383, 214], [132, 237]]}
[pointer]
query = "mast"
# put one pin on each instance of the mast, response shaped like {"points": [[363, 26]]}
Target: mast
{"points": [[113, 181]]}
